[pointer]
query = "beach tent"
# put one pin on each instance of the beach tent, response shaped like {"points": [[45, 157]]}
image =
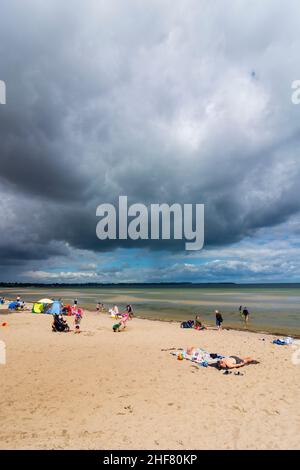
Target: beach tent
{"points": [[55, 308], [49, 308], [38, 307], [45, 301]]}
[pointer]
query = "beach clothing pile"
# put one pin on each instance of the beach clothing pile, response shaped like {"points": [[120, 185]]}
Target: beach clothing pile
{"points": [[14, 305], [199, 356], [187, 324], [283, 341]]}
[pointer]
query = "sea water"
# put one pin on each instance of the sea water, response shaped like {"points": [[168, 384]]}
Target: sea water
{"points": [[273, 308]]}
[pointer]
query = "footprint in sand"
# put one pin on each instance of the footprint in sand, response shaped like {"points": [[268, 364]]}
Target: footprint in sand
{"points": [[129, 408], [271, 413]]}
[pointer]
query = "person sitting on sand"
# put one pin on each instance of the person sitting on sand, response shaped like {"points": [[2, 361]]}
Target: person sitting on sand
{"points": [[233, 362], [59, 324], [114, 312], [198, 325], [62, 320]]}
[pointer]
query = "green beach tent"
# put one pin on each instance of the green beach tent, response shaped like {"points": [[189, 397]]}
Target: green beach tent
{"points": [[38, 308]]}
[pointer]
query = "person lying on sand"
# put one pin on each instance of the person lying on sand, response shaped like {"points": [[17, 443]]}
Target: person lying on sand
{"points": [[232, 362]]}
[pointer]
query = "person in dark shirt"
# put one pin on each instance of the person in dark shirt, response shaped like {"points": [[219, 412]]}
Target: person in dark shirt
{"points": [[246, 314], [219, 319], [129, 310]]}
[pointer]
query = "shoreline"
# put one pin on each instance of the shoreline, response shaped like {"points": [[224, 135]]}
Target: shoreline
{"points": [[165, 320], [228, 328]]}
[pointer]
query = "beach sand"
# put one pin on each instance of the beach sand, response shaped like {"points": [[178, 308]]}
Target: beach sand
{"points": [[105, 390]]}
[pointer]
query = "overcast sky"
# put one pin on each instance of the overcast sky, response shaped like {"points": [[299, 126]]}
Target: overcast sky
{"points": [[183, 101]]}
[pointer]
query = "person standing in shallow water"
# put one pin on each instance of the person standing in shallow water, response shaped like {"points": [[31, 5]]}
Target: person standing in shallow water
{"points": [[246, 315], [219, 319]]}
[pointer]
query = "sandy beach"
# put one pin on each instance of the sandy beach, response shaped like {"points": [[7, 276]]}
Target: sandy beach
{"points": [[105, 390]]}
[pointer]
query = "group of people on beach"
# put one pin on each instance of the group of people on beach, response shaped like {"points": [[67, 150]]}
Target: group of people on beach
{"points": [[121, 317], [60, 324], [229, 362], [198, 325]]}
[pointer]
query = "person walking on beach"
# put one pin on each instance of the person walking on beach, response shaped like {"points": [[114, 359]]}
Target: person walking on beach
{"points": [[219, 319], [246, 315], [240, 310]]}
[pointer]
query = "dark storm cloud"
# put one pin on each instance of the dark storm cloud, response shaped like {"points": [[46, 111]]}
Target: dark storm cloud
{"points": [[156, 101]]}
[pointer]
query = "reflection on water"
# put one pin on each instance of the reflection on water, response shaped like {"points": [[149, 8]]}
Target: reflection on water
{"points": [[272, 308]]}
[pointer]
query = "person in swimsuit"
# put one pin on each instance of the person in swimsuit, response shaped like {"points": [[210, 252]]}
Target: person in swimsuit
{"points": [[77, 320], [122, 323], [233, 362]]}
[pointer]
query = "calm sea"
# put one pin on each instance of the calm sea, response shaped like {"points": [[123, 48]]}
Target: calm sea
{"points": [[273, 308]]}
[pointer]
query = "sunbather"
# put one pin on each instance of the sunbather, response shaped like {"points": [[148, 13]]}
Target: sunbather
{"points": [[232, 362]]}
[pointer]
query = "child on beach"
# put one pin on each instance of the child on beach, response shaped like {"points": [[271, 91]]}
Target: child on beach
{"points": [[77, 320], [117, 327], [219, 319]]}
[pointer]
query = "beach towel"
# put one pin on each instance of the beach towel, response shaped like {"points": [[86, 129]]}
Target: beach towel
{"points": [[199, 356]]}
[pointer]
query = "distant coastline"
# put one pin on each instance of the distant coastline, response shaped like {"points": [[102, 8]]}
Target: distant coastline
{"points": [[151, 284]]}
